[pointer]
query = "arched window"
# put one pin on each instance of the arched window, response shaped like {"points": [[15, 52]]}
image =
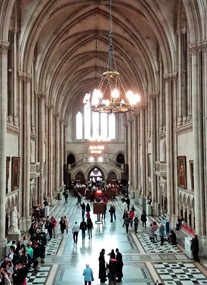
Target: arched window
{"points": [[79, 126], [94, 125]]}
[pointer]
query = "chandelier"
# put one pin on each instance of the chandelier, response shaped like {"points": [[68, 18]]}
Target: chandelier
{"points": [[111, 96]]}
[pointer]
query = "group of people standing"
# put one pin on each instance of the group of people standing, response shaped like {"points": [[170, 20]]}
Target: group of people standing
{"points": [[113, 270]]}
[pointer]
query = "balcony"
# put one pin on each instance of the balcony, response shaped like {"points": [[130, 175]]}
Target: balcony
{"points": [[161, 169]]}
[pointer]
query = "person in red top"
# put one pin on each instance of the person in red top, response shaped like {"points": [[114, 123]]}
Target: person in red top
{"points": [[131, 217]]}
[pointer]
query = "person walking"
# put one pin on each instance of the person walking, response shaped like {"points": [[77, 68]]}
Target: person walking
{"points": [[102, 267], [75, 231], [144, 219], [131, 217], [62, 225], [195, 248], [89, 227], [83, 209], [125, 214], [128, 202], [112, 212], [88, 275], [162, 234], [119, 265], [126, 223], [136, 223], [83, 227]]}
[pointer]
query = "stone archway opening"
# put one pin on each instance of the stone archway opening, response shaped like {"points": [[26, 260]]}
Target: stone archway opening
{"points": [[96, 177]]}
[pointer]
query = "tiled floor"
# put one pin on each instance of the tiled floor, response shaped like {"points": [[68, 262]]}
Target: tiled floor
{"points": [[144, 262]]}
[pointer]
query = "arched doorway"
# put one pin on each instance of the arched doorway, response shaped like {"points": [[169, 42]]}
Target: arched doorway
{"points": [[112, 178], [70, 159], [96, 177], [120, 158], [79, 178]]}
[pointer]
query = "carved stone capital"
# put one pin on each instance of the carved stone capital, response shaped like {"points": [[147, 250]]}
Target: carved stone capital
{"points": [[194, 49], [40, 95], [24, 76], [4, 46], [204, 46], [170, 76]]}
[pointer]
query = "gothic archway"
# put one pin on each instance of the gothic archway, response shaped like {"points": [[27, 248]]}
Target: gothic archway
{"points": [[70, 159], [79, 178], [120, 158], [96, 177], [112, 178]]}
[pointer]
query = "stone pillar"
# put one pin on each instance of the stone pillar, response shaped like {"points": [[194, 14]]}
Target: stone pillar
{"points": [[169, 143], [57, 152], [15, 99], [41, 144], [197, 121], [135, 152], [129, 138], [3, 125], [161, 97], [153, 121], [25, 146], [50, 153], [61, 152], [143, 152], [179, 88]]}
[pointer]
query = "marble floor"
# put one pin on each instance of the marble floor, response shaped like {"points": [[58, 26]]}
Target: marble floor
{"points": [[144, 262]]}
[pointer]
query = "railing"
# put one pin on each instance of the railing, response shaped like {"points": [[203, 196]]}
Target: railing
{"points": [[105, 159]]}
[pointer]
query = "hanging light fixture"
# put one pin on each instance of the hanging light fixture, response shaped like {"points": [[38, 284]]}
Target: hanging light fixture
{"points": [[111, 96]]}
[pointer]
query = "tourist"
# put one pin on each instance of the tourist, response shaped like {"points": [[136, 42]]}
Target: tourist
{"points": [[195, 248], [162, 233], [88, 275], [144, 219], [75, 231]]}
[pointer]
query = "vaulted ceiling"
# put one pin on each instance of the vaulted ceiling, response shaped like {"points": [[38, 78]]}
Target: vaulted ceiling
{"points": [[67, 43]]}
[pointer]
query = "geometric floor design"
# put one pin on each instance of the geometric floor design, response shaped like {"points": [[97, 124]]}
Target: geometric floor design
{"points": [[179, 273], [151, 247], [144, 261]]}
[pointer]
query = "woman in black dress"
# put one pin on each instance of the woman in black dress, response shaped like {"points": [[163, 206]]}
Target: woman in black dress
{"points": [[102, 266]]}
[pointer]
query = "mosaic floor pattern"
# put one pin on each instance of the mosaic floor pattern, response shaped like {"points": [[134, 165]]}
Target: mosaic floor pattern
{"points": [[144, 262]]}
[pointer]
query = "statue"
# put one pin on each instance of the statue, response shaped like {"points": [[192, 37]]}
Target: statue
{"points": [[14, 220]]}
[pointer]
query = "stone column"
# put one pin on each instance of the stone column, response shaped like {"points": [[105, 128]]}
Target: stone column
{"points": [[57, 152], [129, 138], [15, 99], [196, 104], [3, 125], [143, 152], [179, 89], [61, 152], [169, 142], [153, 120], [50, 153], [161, 97], [135, 152], [25, 146], [41, 144]]}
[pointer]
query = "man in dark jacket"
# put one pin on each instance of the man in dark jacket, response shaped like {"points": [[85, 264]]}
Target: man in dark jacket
{"points": [[119, 265], [112, 271]]}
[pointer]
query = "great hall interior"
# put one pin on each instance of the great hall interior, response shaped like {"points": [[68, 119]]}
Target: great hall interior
{"points": [[53, 54]]}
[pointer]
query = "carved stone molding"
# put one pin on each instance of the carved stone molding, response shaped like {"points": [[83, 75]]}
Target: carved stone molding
{"points": [[170, 76], [24, 76], [194, 49], [4, 46], [204, 46], [40, 95]]}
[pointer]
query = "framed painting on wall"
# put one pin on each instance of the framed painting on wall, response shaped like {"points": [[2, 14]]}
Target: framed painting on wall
{"points": [[15, 173], [181, 170]]}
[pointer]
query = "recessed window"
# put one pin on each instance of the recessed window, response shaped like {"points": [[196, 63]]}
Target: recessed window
{"points": [[93, 125]]}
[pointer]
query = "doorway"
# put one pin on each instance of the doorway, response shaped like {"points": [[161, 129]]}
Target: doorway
{"points": [[96, 177]]}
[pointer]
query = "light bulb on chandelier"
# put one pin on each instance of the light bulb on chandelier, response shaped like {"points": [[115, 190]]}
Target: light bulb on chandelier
{"points": [[110, 96]]}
